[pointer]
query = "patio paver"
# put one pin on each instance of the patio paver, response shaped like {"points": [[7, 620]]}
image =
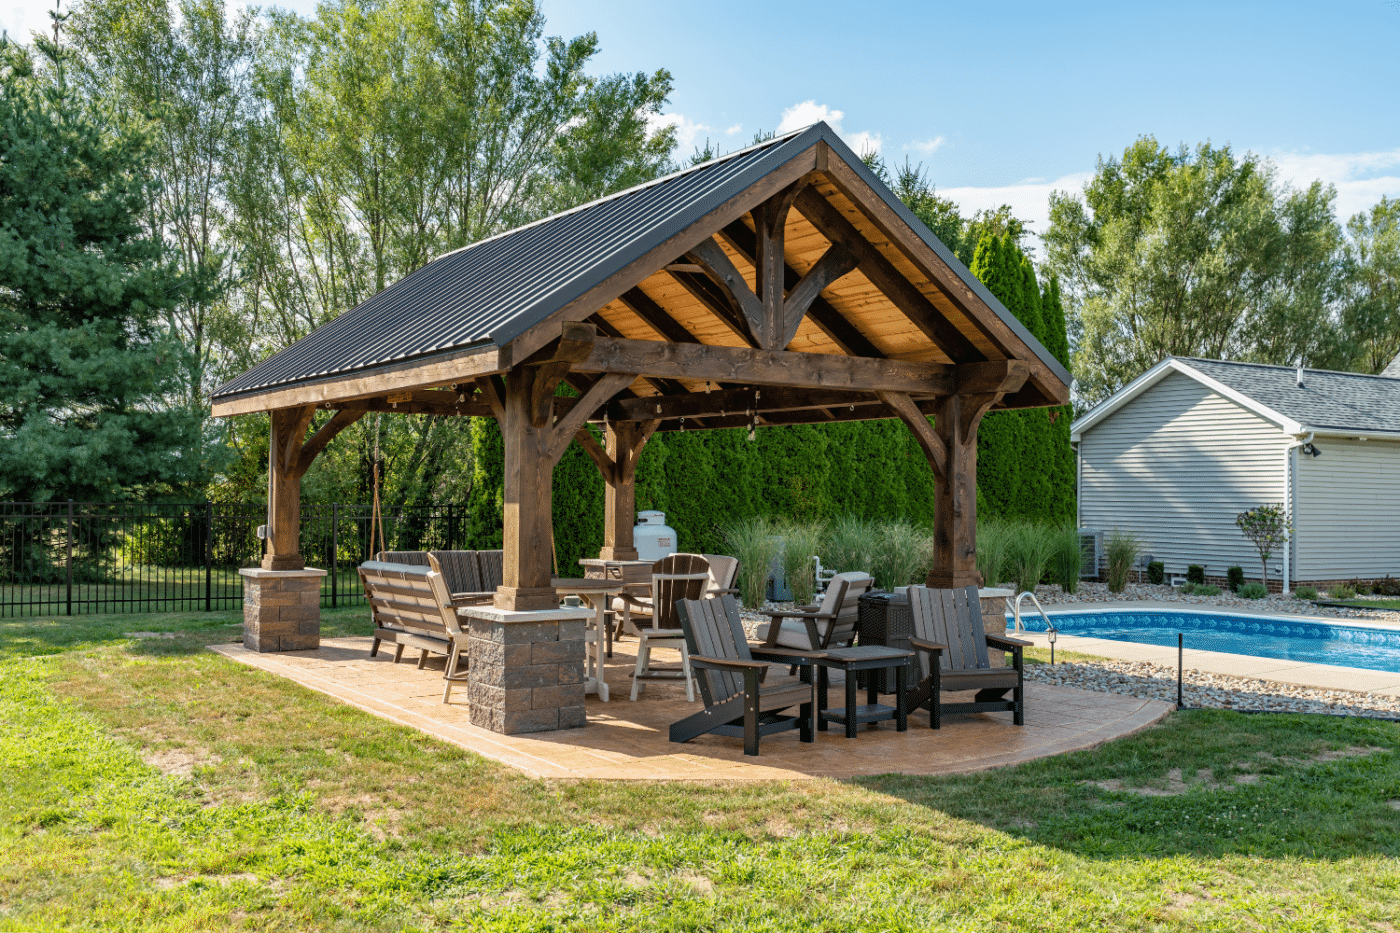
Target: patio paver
{"points": [[628, 741]]}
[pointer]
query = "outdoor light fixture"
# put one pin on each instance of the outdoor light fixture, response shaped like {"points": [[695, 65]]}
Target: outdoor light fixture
{"points": [[1311, 450], [1050, 635]]}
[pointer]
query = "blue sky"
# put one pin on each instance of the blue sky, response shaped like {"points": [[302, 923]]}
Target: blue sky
{"points": [[1005, 102]]}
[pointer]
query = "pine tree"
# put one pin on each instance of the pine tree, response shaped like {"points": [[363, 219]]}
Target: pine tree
{"points": [[86, 361]]}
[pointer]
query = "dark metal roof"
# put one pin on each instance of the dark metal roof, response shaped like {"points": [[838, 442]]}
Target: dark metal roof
{"points": [[493, 291], [1326, 399]]}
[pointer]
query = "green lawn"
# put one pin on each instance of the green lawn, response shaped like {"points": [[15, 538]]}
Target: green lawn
{"points": [[152, 785]]}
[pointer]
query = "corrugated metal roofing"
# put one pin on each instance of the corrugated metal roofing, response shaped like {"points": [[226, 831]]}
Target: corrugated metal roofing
{"points": [[1345, 401], [490, 292]]}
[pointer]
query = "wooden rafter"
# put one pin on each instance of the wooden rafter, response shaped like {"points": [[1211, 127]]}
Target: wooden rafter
{"points": [[884, 276]]}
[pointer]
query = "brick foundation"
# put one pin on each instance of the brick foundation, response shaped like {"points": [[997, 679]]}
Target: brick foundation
{"points": [[281, 609], [527, 669]]}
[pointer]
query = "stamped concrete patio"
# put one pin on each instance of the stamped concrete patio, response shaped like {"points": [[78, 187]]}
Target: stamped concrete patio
{"points": [[628, 741]]}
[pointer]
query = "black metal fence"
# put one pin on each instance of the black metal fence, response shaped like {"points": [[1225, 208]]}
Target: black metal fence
{"points": [[68, 558]]}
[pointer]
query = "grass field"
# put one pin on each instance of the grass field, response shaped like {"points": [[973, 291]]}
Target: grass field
{"points": [[152, 785]]}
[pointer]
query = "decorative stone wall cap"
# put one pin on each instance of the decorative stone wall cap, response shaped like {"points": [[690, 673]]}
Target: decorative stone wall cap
{"points": [[492, 614], [993, 592], [258, 573]]}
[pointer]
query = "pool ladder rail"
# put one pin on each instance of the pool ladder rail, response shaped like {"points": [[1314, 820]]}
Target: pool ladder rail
{"points": [[1016, 612]]}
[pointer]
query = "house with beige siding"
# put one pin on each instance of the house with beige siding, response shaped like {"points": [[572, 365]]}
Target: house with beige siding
{"points": [[1176, 455]]}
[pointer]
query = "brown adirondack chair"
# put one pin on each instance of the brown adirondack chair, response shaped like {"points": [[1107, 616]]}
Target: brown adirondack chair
{"points": [[817, 628], [678, 576], [736, 701], [950, 646]]}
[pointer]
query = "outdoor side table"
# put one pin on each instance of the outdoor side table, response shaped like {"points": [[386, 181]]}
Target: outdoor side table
{"points": [[852, 661]]}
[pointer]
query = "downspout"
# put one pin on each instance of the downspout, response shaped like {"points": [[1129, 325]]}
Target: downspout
{"points": [[1290, 482]]}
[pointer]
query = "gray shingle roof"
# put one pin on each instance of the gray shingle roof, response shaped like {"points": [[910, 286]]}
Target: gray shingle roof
{"points": [[494, 290], [1345, 401]]}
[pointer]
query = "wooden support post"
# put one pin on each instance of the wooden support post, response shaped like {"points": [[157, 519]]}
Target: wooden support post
{"points": [[625, 442], [531, 451], [955, 491], [284, 488]]}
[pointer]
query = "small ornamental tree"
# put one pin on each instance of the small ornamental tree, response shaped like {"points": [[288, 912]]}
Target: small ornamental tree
{"points": [[1268, 528]]}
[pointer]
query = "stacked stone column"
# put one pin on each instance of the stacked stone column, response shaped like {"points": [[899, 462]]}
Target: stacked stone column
{"points": [[527, 669], [281, 609]]}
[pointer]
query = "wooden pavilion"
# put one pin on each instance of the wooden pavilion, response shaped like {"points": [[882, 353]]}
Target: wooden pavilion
{"points": [[783, 284]]}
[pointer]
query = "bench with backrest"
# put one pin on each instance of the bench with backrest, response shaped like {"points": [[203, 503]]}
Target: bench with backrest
{"points": [[407, 613], [463, 571]]}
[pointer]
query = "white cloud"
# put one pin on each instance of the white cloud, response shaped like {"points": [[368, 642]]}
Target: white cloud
{"points": [[21, 17], [687, 131], [1029, 200], [1359, 177], [808, 112], [927, 146], [865, 142], [734, 129]]}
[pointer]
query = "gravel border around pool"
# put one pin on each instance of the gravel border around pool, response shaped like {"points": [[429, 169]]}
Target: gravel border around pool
{"points": [[1150, 681]]}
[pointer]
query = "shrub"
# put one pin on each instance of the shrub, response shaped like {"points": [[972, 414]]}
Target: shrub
{"points": [[1066, 558], [902, 551], [993, 540], [1122, 550], [1029, 553], [1235, 575], [1305, 592], [1387, 587], [801, 541], [1254, 590], [1343, 592], [1195, 573], [1156, 572], [1188, 588], [752, 541], [1205, 589]]}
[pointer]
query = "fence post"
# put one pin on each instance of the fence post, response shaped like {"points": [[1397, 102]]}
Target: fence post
{"points": [[451, 529], [69, 561], [208, 557], [335, 551]]}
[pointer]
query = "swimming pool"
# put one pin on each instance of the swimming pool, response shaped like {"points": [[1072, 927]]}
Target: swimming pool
{"points": [[1371, 647]]}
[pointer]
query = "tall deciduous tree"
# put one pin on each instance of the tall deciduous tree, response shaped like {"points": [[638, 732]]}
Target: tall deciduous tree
{"points": [[1193, 253], [87, 367], [1371, 310], [179, 70]]}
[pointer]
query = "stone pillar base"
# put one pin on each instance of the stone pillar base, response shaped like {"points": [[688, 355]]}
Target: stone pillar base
{"points": [[527, 669], [526, 599], [281, 609], [994, 618]]}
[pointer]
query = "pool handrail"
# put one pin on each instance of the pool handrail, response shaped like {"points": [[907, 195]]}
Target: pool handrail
{"points": [[1016, 612]]}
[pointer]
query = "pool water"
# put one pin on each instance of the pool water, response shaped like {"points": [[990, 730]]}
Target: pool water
{"points": [[1376, 649]]}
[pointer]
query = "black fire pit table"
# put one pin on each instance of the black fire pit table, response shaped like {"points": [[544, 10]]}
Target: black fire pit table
{"points": [[852, 661]]}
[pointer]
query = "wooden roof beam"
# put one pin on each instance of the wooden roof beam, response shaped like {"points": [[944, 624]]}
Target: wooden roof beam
{"points": [[823, 314], [734, 401], [883, 275]]}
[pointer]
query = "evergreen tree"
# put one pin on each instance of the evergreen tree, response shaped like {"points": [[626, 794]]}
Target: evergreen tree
{"points": [[86, 367]]}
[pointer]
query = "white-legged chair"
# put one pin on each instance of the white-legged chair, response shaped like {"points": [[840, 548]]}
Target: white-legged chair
{"points": [[679, 576]]}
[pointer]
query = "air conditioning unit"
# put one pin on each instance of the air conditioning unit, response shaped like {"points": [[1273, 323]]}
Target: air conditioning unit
{"points": [[1090, 553]]}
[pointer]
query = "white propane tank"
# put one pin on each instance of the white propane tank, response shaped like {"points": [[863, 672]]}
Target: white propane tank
{"points": [[653, 538]]}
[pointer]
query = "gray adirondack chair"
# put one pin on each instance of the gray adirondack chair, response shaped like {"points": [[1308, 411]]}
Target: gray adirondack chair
{"points": [[736, 701], [951, 645], [816, 628]]}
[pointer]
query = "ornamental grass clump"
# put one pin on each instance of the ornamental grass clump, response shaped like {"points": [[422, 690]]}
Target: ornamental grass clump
{"points": [[1031, 548], [801, 542], [902, 554], [850, 544], [1066, 557], [1122, 550], [993, 544], [753, 542], [1254, 590], [1305, 592]]}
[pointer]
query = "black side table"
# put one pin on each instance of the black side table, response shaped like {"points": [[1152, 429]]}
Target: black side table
{"points": [[853, 660]]}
